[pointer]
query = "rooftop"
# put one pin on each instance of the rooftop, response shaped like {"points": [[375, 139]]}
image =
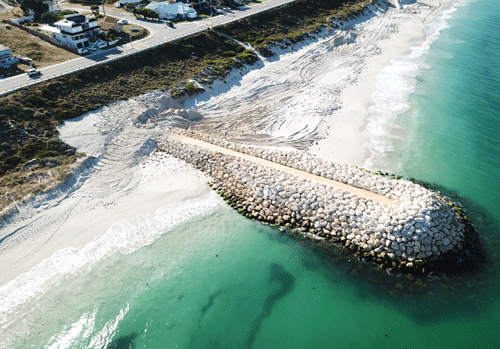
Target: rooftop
{"points": [[50, 28]]}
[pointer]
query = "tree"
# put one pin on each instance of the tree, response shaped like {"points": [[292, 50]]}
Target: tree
{"points": [[37, 6], [152, 14], [49, 17], [94, 9], [146, 13]]}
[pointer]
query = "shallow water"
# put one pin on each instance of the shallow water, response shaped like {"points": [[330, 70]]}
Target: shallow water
{"points": [[219, 280], [222, 281]]}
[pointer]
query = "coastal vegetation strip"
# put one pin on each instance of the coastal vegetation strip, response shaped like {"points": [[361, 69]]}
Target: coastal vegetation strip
{"points": [[381, 199], [31, 115]]}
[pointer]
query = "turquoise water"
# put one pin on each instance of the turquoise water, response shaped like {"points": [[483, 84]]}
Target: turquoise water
{"points": [[221, 281]]}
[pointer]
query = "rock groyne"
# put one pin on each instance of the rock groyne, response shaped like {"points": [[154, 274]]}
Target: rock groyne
{"points": [[411, 231]]}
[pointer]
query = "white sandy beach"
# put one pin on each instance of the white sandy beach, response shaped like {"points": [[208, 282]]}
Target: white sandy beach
{"points": [[320, 93]]}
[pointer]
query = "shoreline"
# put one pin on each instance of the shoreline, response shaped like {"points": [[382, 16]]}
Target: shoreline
{"points": [[347, 125], [73, 231], [164, 181]]}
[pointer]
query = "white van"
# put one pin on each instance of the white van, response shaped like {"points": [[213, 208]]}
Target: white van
{"points": [[33, 72]]}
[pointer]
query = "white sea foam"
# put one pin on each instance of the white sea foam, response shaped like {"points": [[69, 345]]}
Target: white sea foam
{"points": [[123, 237], [392, 96]]}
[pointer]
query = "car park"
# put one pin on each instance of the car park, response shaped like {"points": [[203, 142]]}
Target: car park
{"points": [[33, 72]]}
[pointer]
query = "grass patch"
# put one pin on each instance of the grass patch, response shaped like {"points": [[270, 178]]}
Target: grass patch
{"points": [[23, 43]]}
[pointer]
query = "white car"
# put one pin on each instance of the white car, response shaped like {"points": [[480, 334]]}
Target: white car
{"points": [[102, 44], [122, 22], [33, 72], [92, 48]]}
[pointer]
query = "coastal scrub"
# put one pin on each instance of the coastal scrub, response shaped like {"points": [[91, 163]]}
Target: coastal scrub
{"points": [[34, 113]]}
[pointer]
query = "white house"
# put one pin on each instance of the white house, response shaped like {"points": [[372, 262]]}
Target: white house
{"points": [[6, 57], [175, 11], [75, 31]]}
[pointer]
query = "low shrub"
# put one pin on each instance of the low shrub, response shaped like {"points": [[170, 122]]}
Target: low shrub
{"points": [[190, 87], [149, 71]]}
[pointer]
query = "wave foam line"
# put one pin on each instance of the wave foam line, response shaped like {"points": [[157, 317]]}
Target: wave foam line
{"points": [[125, 236], [395, 85]]}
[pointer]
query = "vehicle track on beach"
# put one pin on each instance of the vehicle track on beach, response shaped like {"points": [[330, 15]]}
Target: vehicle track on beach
{"points": [[285, 102], [117, 145]]}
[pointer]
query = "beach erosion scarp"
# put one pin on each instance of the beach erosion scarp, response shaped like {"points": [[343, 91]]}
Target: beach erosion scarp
{"points": [[395, 223]]}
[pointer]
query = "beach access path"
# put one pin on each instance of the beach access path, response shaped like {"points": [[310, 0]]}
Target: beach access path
{"points": [[381, 199]]}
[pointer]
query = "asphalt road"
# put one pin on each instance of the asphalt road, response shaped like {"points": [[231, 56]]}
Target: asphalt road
{"points": [[159, 34]]}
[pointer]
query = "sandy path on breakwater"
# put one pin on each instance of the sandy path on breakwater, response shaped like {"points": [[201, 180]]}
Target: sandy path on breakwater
{"points": [[381, 199]]}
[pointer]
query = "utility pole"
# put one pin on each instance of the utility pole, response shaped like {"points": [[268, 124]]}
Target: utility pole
{"points": [[103, 11]]}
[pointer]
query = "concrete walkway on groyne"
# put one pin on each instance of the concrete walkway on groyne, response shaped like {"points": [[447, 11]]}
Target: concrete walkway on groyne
{"points": [[381, 199]]}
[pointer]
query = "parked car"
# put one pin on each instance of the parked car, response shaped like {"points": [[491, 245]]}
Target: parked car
{"points": [[92, 48], [102, 44], [122, 22], [169, 23], [33, 72], [228, 9]]}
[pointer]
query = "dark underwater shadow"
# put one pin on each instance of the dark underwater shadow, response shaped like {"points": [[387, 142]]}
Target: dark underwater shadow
{"points": [[228, 333], [123, 342], [281, 283]]}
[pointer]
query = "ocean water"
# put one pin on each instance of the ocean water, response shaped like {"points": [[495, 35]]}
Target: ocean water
{"points": [[205, 277]]}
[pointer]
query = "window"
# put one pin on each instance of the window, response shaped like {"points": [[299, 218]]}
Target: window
{"points": [[79, 45]]}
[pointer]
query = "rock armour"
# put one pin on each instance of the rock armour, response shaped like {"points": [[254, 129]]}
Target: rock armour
{"points": [[420, 226]]}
